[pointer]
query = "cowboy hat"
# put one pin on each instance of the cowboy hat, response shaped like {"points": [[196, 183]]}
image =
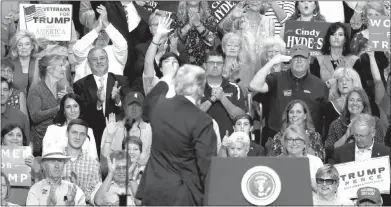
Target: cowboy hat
{"points": [[53, 152]]}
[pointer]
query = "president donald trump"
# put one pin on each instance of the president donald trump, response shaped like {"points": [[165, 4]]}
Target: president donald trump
{"points": [[183, 143]]}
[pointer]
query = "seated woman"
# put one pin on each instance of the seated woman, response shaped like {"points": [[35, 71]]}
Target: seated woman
{"points": [[243, 123], [295, 144], [115, 181], [297, 114], [17, 98], [5, 190], [42, 98], [134, 146], [345, 80], [70, 108], [327, 182], [357, 102], [238, 144]]}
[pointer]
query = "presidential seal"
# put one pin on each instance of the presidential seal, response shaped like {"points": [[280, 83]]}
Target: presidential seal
{"points": [[261, 185]]}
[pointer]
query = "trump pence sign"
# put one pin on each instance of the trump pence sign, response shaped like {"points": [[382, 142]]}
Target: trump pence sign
{"points": [[50, 21], [12, 164], [374, 172]]}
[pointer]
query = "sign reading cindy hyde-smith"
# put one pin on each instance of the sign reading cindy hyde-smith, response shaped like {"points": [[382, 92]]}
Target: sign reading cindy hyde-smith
{"points": [[12, 164], [379, 33], [50, 21], [374, 172], [221, 9], [310, 34]]}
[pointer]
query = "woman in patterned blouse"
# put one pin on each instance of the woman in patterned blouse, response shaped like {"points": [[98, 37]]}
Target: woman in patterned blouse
{"points": [[357, 102], [196, 29], [297, 113], [17, 99]]}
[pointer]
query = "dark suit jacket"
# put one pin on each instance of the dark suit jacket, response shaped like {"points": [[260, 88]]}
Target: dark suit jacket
{"points": [[87, 89], [346, 153], [256, 150], [183, 143], [117, 17]]}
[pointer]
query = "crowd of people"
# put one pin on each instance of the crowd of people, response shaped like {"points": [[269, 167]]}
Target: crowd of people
{"points": [[138, 102]]}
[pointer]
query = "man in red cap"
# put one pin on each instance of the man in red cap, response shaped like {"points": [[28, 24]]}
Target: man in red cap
{"points": [[369, 196]]}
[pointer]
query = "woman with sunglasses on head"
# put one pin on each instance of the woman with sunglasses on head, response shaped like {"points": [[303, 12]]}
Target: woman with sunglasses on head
{"points": [[70, 108], [327, 182]]}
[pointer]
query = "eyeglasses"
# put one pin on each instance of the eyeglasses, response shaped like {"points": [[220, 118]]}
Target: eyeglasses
{"points": [[6, 71], [296, 141], [212, 63], [120, 168], [321, 181]]}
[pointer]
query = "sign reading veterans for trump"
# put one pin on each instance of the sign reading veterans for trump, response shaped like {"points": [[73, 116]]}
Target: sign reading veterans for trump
{"points": [[50, 21], [221, 9], [12, 164], [379, 33], [374, 172], [310, 34]]}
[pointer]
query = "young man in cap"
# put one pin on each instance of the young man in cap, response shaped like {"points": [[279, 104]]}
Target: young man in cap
{"points": [[53, 190], [115, 132], [369, 196], [294, 84]]}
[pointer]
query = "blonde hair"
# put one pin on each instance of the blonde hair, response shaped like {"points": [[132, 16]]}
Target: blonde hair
{"points": [[328, 169], [231, 36], [377, 6], [341, 73], [15, 40], [240, 137], [302, 134], [182, 13], [270, 42], [190, 80]]}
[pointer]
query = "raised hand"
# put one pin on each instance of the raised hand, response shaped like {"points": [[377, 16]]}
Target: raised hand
{"points": [[29, 161], [163, 27], [103, 14], [280, 59], [61, 94], [369, 50], [111, 124], [72, 189], [98, 25], [239, 10], [52, 199], [111, 165], [115, 93]]}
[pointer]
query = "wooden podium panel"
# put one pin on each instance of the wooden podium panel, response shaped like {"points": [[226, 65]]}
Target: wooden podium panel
{"points": [[223, 184]]}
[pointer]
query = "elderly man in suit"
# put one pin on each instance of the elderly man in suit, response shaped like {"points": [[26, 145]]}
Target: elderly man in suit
{"points": [[183, 143], [99, 92], [363, 130]]}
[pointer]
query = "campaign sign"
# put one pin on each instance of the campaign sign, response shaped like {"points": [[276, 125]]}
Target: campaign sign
{"points": [[50, 21], [221, 9], [374, 172], [379, 33], [310, 34], [12, 164]]}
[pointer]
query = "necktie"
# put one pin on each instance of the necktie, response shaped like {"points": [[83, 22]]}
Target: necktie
{"points": [[126, 13], [102, 84]]}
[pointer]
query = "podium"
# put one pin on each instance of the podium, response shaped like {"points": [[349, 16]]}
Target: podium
{"points": [[223, 184]]}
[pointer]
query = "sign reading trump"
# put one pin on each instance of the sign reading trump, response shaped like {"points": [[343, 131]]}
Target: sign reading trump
{"points": [[374, 172], [50, 21], [379, 33], [12, 164]]}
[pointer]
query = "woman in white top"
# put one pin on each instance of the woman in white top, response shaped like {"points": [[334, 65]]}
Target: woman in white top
{"points": [[327, 182], [295, 144], [70, 108]]}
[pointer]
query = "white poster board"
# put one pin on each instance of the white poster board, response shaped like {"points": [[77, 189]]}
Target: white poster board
{"points": [[50, 21]]}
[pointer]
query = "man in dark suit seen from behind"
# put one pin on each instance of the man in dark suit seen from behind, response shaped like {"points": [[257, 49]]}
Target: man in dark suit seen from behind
{"points": [[183, 143], [99, 92]]}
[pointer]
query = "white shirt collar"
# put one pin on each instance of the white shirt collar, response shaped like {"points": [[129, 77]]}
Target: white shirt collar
{"points": [[357, 150], [191, 99], [97, 78]]}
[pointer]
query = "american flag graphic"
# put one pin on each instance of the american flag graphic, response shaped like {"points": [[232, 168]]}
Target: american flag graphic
{"points": [[32, 11]]}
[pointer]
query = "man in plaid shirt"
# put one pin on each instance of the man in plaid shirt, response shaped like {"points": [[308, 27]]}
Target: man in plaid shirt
{"points": [[81, 169]]}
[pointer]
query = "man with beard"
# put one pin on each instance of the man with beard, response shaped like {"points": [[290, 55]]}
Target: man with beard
{"points": [[100, 37], [183, 143]]}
